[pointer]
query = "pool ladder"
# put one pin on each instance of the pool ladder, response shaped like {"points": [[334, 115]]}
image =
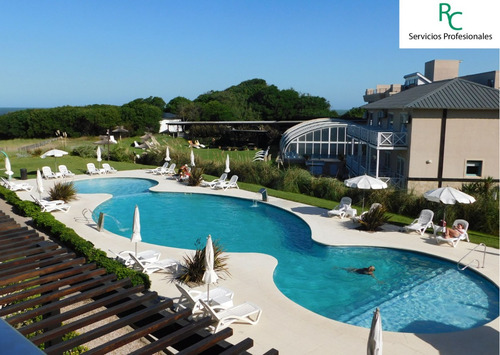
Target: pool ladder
{"points": [[474, 260]]}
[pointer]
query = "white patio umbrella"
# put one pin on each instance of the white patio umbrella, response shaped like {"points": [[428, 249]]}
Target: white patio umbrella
{"points": [[210, 276], [167, 155], [56, 153], [227, 170], [192, 158], [375, 337], [8, 167], [98, 153], [136, 229], [448, 196], [365, 182], [39, 183]]}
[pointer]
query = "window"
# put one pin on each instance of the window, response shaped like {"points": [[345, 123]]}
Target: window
{"points": [[473, 168]]}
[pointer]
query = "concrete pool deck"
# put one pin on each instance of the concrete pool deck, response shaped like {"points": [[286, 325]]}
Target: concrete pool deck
{"points": [[285, 325]]}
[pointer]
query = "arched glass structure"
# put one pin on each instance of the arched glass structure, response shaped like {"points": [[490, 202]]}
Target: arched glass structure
{"points": [[319, 139]]}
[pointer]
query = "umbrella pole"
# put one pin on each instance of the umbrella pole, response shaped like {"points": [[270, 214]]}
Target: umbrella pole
{"points": [[208, 293], [136, 249]]}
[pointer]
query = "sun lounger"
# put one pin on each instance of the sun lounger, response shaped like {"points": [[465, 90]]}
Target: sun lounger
{"points": [[167, 265], [47, 173], [13, 186], [454, 241], [146, 256], [341, 209], [421, 224], [212, 183], [247, 313], [191, 298], [92, 170], [108, 169], [227, 184], [51, 206], [65, 172]]}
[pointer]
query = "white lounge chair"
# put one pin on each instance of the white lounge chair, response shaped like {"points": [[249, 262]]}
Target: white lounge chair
{"points": [[92, 170], [454, 241], [374, 206], [147, 256], [246, 312], [108, 169], [14, 186], [47, 173], [170, 171], [341, 208], [222, 178], [227, 184], [51, 206], [159, 170], [168, 265], [65, 172], [191, 298], [421, 224]]}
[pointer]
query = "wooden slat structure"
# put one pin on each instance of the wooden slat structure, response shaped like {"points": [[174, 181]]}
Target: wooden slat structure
{"points": [[40, 280]]}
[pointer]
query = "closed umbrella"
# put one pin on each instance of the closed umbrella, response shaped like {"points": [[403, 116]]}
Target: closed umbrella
{"points": [[192, 158], [136, 229], [210, 276], [8, 168], [365, 182], [56, 153], [39, 183], [98, 153], [227, 170], [375, 337], [448, 196], [167, 155]]}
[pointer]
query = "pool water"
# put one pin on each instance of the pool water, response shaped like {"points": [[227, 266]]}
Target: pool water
{"points": [[416, 293]]}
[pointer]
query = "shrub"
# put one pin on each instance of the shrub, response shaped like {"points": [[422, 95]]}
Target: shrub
{"points": [[194, 265], [195, 177], [84, 151], [65, 191], [374, 218]]}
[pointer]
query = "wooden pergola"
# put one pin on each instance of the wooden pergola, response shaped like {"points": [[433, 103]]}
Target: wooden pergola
{"points": [[41, 280]]}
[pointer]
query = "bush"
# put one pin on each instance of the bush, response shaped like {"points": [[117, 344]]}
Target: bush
{"points": [[195, 177], [374, 218], [194, 266], [84, 151], [65, 191]]}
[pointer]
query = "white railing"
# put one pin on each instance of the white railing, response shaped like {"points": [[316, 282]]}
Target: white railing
{"points": [[378, 138], [474, 260]]}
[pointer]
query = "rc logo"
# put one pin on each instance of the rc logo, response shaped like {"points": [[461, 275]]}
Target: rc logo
{"points": [[444, 9], [449, 24]]}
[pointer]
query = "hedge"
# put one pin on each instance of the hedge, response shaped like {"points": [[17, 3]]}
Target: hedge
{"points": [[45, 222]]}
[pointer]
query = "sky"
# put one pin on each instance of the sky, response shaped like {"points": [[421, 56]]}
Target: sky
{"points": [[59, 52]]}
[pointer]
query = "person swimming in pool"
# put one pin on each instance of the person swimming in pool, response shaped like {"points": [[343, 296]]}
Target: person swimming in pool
{"points": [[362, 271]]}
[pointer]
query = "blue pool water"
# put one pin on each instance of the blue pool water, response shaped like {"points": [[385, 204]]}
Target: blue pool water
{"points": [[415, 293]]}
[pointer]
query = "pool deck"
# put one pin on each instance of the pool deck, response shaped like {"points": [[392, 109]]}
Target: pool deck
{"points": [[285, 325]]}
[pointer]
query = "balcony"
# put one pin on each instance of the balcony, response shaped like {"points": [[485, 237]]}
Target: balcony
{"points": [[377, 138]]}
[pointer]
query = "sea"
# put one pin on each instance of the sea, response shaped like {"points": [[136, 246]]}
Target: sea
{"points": [[4, 110]]}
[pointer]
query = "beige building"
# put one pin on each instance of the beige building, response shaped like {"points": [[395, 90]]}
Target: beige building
{"points": [[443, 133]]}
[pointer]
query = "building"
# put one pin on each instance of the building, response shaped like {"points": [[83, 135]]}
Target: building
{"points": [[435, 130], [440, 134], [320, 143]]}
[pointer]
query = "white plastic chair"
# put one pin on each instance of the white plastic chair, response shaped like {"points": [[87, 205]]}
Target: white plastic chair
{"points": [[421, 224], [191, 298], [13, 186], [108, 169], [227, 184], [47, 173], [454, 241], [65, 172], [341, 209], [246, 312], [168, 265]]}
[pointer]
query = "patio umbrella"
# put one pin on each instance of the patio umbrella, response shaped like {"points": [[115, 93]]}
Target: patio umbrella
{"points": [[99, 159], [167, 155], [365, 182], [39, 183], [136, 229], [120, 130], [8, 168], [56, 153], [375, 337], [192, 158], [210, 276], [448, 196], [227, 170]]}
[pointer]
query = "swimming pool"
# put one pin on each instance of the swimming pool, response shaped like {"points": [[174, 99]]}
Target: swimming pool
{"points": [[416, 293]]}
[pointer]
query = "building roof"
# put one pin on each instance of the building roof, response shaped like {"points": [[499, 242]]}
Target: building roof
{"points": [[447, 94]]}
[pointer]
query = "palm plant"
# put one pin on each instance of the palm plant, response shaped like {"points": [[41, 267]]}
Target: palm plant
{"points": [[374, 218], [63, 191], [193, 266]]}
